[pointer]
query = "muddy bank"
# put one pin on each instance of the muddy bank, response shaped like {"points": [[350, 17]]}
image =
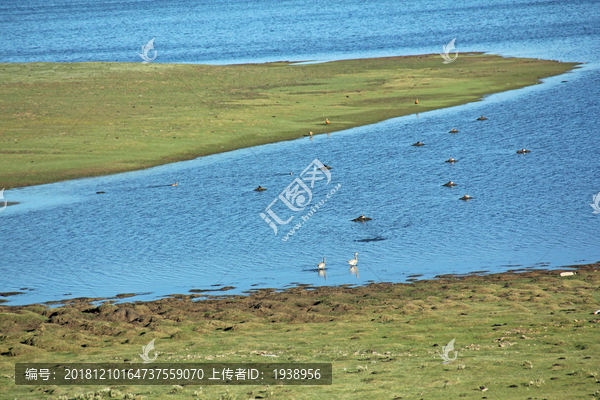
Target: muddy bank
{"points": [[298, 304]]}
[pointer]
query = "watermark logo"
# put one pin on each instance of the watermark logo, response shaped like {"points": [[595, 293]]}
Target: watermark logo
{"points": [[447, 49], [594, 205], [313, 210], [447, 349], [298, 195], [2, 198], [145, 49], [147, 349]]}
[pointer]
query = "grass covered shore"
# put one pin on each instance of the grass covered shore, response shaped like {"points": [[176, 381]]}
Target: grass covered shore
{"points": [[519, 335], [65, 121]]}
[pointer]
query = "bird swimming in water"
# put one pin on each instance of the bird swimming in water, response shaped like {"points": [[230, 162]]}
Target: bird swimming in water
{"points": [[321, 265], [260, 189], [450, 160], [355, 261], [466, 197], [450, 184], [482, 118], [523, 151], [454, 131], [175, 184], [418, 144], [362, 218]]}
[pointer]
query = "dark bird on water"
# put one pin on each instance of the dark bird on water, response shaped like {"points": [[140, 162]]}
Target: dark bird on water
{"points": [[362, 218]]}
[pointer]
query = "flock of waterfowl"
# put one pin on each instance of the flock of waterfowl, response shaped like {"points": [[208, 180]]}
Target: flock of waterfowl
{"points": [[452, 160], [353, 263]]}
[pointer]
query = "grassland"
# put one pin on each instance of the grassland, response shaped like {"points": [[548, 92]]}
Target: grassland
{"points": [[528, 335], [64, 121]]}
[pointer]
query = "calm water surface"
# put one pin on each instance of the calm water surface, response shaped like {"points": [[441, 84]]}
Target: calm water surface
{"points": [[143, 236]]}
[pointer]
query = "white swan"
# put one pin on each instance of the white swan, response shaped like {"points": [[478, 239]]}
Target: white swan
{"points": [[321, 265], [353, 262]]}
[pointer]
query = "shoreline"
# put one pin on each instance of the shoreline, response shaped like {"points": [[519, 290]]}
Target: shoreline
{"points": [[220, 108], [516, 335], [207, 294]]}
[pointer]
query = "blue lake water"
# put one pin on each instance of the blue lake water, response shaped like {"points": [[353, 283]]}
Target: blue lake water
{"points": [[143, 236]]}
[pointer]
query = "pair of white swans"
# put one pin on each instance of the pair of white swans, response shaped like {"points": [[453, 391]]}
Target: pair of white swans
{"points": [[351, 262]]}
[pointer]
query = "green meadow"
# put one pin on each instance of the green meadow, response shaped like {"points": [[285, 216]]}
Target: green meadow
{"points": [[530, 335], [65, 121]]}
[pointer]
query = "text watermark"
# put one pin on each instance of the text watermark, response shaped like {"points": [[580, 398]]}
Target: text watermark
{"points": [[78, 374]]}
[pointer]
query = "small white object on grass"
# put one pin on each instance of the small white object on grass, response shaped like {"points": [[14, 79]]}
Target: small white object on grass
{"points": [[569, 273]]}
